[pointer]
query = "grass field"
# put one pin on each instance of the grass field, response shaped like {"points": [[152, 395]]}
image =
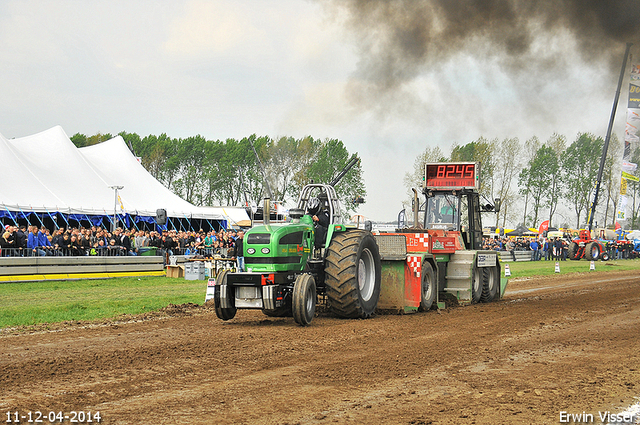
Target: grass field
{"points": [[30, 303], [546, 268]]}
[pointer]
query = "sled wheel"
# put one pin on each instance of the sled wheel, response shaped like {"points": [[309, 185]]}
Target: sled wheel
{"points": [[490, 283], [476, 284], [428, 287]]}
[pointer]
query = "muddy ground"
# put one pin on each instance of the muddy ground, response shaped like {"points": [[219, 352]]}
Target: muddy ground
{"points": [[555, 344]]}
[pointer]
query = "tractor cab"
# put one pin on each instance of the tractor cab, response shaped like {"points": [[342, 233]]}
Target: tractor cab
{"points": [[443, 212], [453, 201], [329, 201]]}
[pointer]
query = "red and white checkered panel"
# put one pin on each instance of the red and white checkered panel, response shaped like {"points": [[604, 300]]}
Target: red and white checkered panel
{"points": [[423, 240], [415, 263]]}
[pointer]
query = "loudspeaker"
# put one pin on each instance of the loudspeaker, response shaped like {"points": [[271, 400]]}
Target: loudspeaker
{"points": [[161, 216]]}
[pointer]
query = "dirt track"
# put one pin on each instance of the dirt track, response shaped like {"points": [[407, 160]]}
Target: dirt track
{"points": [[554, 344]]}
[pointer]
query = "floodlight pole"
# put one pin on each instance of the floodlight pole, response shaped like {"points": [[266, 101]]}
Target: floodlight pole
{"points": [[115, 206]]}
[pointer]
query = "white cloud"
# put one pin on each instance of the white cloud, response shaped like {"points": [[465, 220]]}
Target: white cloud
{"points": [[212, 28]]}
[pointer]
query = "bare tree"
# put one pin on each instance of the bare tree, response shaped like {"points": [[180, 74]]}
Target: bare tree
{"points": [[507, 165]]}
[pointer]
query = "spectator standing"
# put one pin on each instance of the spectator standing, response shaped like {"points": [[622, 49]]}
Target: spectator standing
{"points": [[239, 253], [43, 241], [547, 250], [21, 238], [558, 246], [32, 242], [6, 243], [125, 243], [533, 245], [75, 248]]}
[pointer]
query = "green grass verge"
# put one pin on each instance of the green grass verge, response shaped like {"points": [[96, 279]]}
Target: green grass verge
{"points": [[546, 268], [30, 303]]}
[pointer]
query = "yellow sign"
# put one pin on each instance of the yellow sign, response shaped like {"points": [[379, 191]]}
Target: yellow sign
{"points": [[631, 177]]}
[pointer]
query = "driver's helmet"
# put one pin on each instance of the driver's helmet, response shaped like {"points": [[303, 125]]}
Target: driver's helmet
{"points": [[313, 206]]}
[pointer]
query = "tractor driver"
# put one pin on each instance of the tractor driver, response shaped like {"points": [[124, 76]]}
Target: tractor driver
{"points": [[320, 219]]}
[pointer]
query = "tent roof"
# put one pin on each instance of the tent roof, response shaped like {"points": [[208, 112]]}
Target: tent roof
{"points": [[45, 172], [521, 231]]}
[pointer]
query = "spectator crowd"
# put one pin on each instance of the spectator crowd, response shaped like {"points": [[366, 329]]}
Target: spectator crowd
{"points": [[26, 241], [554, 249], [549, 249]]}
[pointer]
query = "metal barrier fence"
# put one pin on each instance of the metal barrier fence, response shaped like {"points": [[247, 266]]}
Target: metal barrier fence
{"points": [[113, 251], [21, 269]]}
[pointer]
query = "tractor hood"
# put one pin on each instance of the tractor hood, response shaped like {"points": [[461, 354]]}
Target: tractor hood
{"points": [[279, 247]]}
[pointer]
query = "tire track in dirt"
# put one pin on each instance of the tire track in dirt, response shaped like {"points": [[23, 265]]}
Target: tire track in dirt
{"points": [[569, 345]]}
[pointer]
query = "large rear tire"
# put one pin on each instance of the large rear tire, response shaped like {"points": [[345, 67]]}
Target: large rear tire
{"points": [[592, 251], [352, 274], [490, 283], [226, 313], [303, 304], [428, 287]]}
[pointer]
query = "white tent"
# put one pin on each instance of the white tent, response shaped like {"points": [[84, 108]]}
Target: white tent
{"points": [[46, 173]]}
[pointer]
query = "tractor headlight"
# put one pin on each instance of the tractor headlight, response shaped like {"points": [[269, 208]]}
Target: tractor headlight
{"points": [[251, 251], [265, 250]]}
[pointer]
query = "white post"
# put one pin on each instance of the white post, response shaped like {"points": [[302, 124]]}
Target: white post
{"points": [[115, 206]]}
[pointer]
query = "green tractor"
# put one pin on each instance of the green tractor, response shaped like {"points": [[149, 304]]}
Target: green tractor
{"points": [[287, 268]]}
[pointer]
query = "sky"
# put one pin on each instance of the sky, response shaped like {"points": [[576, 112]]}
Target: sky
{"points": [[389, 79]]}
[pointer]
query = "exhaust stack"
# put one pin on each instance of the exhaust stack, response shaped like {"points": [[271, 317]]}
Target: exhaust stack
{"points": [[266, 211]]}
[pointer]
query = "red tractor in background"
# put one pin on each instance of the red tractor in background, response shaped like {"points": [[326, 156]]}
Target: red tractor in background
{"points": [[585, 246]]}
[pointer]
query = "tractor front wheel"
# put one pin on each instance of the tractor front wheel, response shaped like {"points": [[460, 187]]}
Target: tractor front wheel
{"points": [[304, 299], [223, 298], [352, 274]]}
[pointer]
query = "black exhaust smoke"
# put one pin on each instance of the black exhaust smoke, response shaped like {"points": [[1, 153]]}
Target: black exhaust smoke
{"points": [[398, 40]]}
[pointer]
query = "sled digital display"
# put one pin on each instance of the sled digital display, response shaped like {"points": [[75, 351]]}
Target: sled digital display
{"points": [[461, 175]]}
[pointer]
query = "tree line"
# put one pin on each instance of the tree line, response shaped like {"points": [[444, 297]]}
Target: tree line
{"points": [[533, 179], [230, 172]]}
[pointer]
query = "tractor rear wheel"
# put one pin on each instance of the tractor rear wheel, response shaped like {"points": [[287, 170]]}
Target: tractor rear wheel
{"points": [[428, 287], [352, 274], [224, 313], [490, 283], [573, 251], [304, 299], [592, 251]]}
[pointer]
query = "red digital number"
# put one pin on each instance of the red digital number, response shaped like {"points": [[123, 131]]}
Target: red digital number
{"points": [[450, 168], [440, 173], [470, 169]]}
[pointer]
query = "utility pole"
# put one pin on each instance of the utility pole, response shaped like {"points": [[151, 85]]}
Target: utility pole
{"points": [[592, 210]]}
